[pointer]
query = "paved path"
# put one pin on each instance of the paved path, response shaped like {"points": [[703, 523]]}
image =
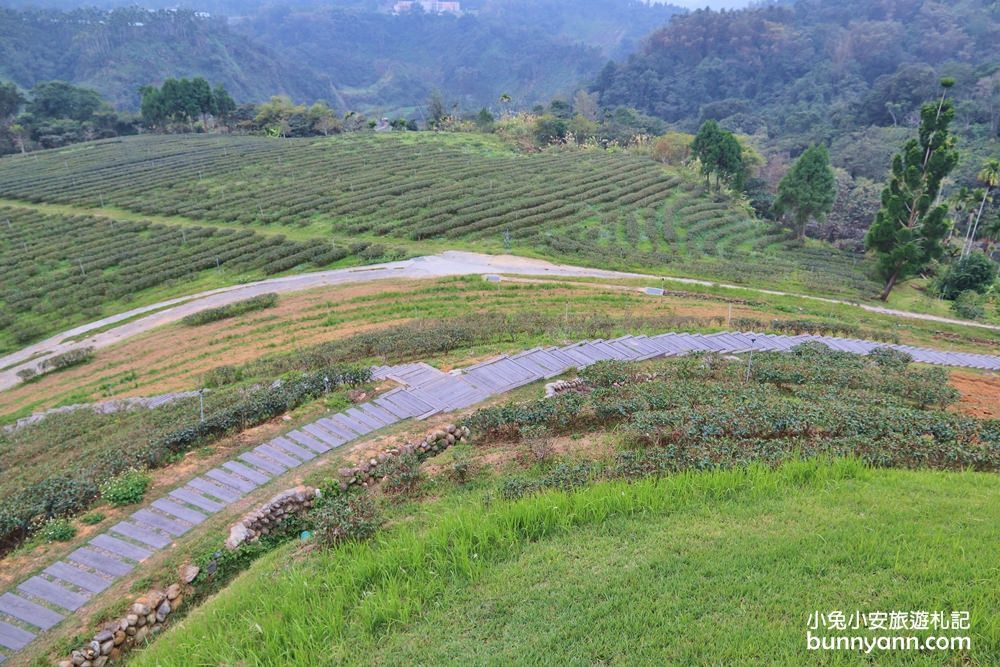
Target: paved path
{"points": [[42, 601], [450, 263]]}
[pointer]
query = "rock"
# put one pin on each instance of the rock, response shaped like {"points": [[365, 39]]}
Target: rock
{"points": [[238, 534], [131, 631], [173, 591], [451, 428], [140, 608], [107, 646], [155, 598], [103, 636], [77, 658], [119, 638], [141, 633], [141, 622], [65, 663], [123, 624], [189, 572], [151, 618], [115, 654], [132, 619], [100, 662], [93, 650], [163, 611]]}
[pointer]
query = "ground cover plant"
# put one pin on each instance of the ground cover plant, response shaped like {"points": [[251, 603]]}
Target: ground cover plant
{"points": [[474, 583], [598, 207], [91, 455]]}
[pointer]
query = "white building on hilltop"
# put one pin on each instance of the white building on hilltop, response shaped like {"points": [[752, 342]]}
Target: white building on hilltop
{"points": [[429, 6]]}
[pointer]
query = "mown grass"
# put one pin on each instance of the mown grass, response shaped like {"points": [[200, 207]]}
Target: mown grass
{"points": [[717, 567]]}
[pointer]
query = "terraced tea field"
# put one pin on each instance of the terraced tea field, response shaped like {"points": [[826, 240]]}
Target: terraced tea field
{"points": [[76, 244], [596, 207]]}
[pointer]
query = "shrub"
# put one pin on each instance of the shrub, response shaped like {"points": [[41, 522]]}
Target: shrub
{"points": [[127, 488], [58, 530], [969, 305], [975, 272], [259, 302], [68, 359], [221, 376], [341, 517], [27, 375], [890, 358], [92, 519], [401, 473]]}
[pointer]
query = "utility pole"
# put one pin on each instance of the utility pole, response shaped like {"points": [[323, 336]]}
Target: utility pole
{"points": [[753, 340]]}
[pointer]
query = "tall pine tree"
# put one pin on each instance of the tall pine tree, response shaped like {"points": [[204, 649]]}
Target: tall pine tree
{"points": [[908, 231], [808, 189]]}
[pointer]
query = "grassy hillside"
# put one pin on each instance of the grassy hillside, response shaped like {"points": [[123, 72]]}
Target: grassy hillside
{"points": [[373, 193], [706, 568]]}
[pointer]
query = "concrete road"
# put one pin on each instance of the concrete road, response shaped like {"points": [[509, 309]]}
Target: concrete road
{"points": [[450, 263]]}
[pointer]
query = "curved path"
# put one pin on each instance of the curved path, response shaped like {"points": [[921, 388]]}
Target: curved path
{"points": [[449, 263], [44, 600]]}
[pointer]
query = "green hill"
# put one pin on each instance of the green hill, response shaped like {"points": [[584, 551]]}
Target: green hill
{"points": [[375, 197]]}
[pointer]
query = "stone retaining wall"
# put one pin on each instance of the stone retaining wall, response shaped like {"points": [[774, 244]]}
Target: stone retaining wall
{"points": [[366, 473], [260, 521], [145, 618]]}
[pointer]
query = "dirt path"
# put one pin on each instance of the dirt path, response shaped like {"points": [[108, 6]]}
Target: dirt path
{"points": [[450, 263]]}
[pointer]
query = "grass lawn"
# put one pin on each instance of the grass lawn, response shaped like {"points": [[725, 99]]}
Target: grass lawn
{"points": [[696, 568]]}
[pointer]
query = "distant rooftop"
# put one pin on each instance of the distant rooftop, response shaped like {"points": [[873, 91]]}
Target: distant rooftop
{"points": [[429, 6]]}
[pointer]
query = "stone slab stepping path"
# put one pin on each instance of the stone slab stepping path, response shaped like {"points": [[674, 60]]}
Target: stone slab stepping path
{"points": [[42, 601]]}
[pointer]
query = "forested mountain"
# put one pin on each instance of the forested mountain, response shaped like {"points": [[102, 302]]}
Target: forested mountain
{"points": [[352, 53], [812, 70], [116, 52]]}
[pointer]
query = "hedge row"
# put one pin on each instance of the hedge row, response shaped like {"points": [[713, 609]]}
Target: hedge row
{"points": [[259, 302], [64, 495]]}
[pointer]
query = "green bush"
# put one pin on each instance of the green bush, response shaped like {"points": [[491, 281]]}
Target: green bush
{"points": [[339, 517], [975, 272], [68, 359], [401, 474], [58, 530], [969, 305], [92, 519], [259, 302], [127, 488], [888, 357]]}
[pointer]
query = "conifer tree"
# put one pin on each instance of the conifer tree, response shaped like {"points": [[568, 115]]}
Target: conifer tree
{"points": [[808, 189], [910, 226]]}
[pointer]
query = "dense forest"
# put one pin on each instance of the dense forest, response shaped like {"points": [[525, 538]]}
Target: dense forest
{"points": [[353, 55], [813, 70]]}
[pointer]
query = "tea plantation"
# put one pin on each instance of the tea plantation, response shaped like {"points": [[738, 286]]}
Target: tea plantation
{"points": [[426, 192]]}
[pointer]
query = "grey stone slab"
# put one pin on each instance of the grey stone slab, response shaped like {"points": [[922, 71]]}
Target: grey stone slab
{"points": [[362, 418], [277, 455], [143, 534], [161, 522], [400, 412], [95, 559], [212, 490], [379, 412], [191, 497], [350, 425], [527, 362], [168, 506], [53, 593], [322, 433], [28, 611], [231, 480], [314, 444], [290, 447], [13, 637], [262, 463], [74, 575], [409, 401], [121, 547]]}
